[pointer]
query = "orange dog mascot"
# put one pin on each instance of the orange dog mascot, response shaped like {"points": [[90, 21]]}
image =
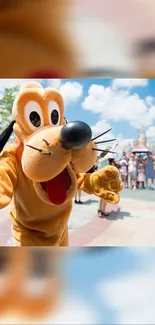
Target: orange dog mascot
{"points": [[42, 170]]}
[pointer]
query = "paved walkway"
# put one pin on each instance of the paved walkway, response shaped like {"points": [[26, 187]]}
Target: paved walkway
{"points": [[131, 222]]}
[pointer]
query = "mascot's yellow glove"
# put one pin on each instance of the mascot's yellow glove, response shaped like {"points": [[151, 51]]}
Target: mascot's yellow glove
{"points": [[104, 183]]}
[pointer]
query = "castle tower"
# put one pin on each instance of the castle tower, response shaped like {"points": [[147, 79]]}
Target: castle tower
{"points": [[142, 137], [135, 142], [129, 149]]}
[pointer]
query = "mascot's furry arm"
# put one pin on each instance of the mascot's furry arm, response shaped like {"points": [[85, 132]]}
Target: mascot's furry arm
{"points": [[104, 183]]}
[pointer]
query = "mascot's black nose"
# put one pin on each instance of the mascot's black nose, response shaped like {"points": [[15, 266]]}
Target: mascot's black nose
{"points": [[75, 135]]}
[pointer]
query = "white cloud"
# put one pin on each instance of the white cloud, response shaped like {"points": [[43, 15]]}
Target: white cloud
{"points": [[118, 105], [151, 132], [152, 112], [71, 91], [98, 129], [149, 100], [131, 297], [129, 83], [102, 126]]}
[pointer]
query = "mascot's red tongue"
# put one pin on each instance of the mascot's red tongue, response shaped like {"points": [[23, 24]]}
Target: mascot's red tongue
{"points": [[56, 190]]}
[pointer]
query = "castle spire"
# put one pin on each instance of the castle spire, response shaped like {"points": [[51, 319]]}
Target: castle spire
{"points": [[135, 142], [142, 137]]}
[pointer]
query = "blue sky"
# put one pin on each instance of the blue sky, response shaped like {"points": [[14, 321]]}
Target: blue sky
{"points": [[74, 110], [126, 129], [123, 104], [106, 281]]}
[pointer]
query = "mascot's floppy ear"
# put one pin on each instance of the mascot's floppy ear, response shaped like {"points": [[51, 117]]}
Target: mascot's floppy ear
{"points": [[5, 135]]}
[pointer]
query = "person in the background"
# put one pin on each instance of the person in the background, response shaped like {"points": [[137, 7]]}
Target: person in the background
{"points": [[96, 166], [149, 169], [114, 162], [79, 193], [132, 170], [111, 161], [124, 171], [78, 197], [124, 157], [140, 172], [103, 161]]}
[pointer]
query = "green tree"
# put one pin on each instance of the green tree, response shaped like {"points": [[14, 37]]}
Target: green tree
{"points": [[6, 102], [7, 98]]}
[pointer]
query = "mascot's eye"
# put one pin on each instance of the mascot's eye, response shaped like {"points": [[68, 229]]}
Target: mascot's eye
{"points": [[54, 113], [33, 115], [35, 119], [54, 117]]}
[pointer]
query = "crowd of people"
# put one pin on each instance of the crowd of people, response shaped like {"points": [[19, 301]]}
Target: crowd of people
{"points": [[135, 171]]}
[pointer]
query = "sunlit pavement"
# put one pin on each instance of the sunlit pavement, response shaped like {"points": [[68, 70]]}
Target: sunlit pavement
{"points": [[131, 222]]}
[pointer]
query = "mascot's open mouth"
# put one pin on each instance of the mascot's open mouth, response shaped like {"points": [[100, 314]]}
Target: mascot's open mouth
{"points": [[56, 188]]}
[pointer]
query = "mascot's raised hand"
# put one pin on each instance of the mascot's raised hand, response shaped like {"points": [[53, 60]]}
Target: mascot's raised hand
{"points": [[104, 183]]}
